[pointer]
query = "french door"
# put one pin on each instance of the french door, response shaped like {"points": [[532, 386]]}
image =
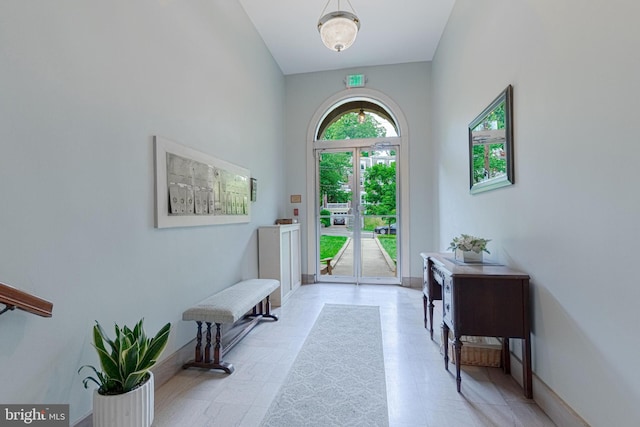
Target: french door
{"points": [[357, 219]]}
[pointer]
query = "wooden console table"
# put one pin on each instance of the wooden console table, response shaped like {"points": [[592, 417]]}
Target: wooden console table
{"points": [[481, 300]]}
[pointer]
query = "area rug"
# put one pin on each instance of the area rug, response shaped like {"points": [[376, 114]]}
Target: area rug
{"points": [[338, 377]]}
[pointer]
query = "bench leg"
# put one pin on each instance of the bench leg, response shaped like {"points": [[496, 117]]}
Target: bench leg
{"points": [[207, 348], [217, 363], [198, 356], [268, 313], [207, 363], [262, 310], [216, 350]]}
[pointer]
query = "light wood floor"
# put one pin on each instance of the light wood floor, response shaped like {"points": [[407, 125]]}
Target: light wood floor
{"points": [[420, 392]]}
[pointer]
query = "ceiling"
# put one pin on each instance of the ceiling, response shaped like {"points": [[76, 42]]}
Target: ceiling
{"points": [[391, 32]]}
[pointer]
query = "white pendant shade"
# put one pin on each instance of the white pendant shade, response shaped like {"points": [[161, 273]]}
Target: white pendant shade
{"points": [[338, 30]]}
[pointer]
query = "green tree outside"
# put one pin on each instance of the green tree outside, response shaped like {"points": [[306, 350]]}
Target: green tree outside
{"points": [[335, 171], [336, 168], [380, 186], [347, 127]]}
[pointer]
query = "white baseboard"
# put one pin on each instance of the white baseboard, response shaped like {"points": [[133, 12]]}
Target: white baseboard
{"points": [[412, 282], [555, 408]]}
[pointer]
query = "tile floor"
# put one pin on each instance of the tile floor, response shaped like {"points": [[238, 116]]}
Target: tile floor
{"points": [[419, 390]]}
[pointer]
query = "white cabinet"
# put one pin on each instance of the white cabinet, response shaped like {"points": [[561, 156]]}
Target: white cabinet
{"points": [[279, 258]]}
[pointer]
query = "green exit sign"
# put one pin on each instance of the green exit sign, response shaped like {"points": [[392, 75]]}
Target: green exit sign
{"points": [[355, 80]]}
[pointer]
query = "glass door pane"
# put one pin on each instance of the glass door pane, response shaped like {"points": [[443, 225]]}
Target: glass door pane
{"points": [[358, 233], [379, 234], [336, 216]]}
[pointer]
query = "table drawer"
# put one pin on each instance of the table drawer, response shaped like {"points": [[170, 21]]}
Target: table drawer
{"points": [[447, 300], [425, 278]]}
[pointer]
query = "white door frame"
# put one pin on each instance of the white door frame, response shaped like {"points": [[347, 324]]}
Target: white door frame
{"points": [[403, 135], [356, 146]]}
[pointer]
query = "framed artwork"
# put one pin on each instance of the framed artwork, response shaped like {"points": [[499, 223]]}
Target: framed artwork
{"points": [[194, 188]]}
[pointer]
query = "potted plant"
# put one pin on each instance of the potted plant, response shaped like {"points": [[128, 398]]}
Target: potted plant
{"points": [[124, 397], [469, 248]]}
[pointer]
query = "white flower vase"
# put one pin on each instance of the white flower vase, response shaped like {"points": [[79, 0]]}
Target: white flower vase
{"points": [[469, 256], [132, 409]]}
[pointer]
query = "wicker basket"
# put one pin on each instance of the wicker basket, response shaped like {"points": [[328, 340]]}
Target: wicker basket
{"points": [[477, 351]]}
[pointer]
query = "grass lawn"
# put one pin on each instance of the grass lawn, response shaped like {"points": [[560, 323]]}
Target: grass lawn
{"points": [[330, 245], [389, 244]]}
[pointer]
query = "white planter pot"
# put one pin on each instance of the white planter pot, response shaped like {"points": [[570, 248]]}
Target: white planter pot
{"points": [[132, 409], [469, 256]]}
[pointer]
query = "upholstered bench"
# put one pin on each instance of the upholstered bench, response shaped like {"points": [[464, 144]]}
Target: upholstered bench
{"points": [[245, 300]]}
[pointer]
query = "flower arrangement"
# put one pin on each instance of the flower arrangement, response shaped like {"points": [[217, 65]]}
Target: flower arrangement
{"points": [[467, 243]]}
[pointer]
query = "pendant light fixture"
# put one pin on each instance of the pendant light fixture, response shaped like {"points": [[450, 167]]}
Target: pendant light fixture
{"points": [[338, 30], [361, 116]]}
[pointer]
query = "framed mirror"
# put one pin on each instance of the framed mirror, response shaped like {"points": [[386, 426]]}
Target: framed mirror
{"points": [[491, 145]]}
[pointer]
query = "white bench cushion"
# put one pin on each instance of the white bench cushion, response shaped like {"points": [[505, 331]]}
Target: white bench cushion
{"points": [[232, 303]]}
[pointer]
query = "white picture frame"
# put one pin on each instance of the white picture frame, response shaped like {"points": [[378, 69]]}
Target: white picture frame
{"points": [[194, 188]]}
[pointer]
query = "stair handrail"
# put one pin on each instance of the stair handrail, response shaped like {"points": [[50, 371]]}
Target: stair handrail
{"points": [[13, 298]]}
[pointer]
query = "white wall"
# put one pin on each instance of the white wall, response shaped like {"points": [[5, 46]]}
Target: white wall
{"points": [[85, 86], [571, 219], [408, 85]]}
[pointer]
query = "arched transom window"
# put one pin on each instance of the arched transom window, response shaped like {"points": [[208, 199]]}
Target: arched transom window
{"points": [[357, 119]]}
